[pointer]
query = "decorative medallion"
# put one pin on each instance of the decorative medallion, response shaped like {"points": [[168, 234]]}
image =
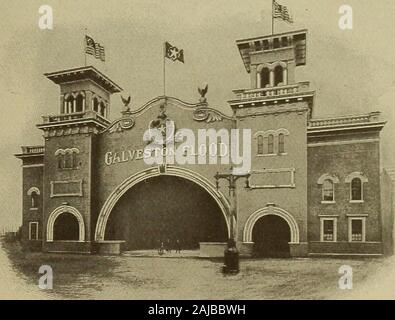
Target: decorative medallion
{"points": [[206, 114]]}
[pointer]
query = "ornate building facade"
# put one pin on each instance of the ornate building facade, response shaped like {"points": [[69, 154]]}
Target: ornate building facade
{"points": [[313, 188]]}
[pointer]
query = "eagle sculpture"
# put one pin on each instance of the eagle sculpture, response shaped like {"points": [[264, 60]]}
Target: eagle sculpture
{"points": [[203, 91], [126, 103]]}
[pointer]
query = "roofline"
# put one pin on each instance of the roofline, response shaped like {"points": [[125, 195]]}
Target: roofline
{"points": [[50, 75], [271, 36]]}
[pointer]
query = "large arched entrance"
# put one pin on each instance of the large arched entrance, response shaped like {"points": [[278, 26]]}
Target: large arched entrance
{"points": [[166, 208], [271, 236]]}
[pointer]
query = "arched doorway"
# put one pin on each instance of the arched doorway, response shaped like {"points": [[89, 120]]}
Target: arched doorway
{"points": [[66, 227], [166, 208], [271, 236], [61, 220]]}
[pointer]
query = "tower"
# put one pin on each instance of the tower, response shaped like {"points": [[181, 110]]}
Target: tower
{"points": [[69, 156], [277, 109]]}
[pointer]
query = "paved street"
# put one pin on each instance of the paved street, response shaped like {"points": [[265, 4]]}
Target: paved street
{"points": [[157, 277]]}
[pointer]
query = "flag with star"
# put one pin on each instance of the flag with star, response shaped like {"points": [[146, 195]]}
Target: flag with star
{"points": [[173, 53]]}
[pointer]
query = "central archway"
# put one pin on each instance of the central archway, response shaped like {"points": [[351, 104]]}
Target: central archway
{"points": [[198, 186]]}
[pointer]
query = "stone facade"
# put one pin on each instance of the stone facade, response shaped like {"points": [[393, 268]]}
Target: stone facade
{"points": [[318, 177]]}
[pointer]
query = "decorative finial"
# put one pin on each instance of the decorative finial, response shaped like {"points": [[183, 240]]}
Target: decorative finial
{"points": [[203, 91], [126, 103]]}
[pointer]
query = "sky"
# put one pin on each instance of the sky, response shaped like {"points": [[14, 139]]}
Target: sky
{"points": [[352, 71]]}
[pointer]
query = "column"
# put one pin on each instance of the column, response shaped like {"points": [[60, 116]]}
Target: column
{"points": [[271, 77], [258, 80], [285, 76]]}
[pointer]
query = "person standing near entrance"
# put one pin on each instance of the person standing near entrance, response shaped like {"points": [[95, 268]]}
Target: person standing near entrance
{"points": [[178, 246]]}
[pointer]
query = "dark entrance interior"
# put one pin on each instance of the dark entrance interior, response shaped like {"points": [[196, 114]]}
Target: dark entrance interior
{"points": [[271, 236], [66, 227], [167, 209]]}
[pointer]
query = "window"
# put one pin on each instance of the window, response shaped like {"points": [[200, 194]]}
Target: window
{"points": [[356, 189], [102, 109], [260, 145], [328, 191], [281, 146], [265, 78], [68, 104], [278, 75], [356, 181], [80, 103], [33, 230], [34, 200], [33, 193], [270, 144], [95, 105], [329, 230], [67, 159], [357, 229]]}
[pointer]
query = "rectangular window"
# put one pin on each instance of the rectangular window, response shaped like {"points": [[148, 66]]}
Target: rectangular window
{"points": [[357, 229], [329, 230], [33, 230]]}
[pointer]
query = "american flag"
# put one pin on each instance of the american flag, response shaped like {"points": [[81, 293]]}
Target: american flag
{"points": [[94, 48], [281, 12]]}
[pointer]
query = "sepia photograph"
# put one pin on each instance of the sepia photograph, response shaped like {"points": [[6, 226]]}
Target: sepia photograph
{"points": [[197, 150]]}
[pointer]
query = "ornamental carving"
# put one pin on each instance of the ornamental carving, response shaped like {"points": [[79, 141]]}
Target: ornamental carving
{"points": [[207, 115]]}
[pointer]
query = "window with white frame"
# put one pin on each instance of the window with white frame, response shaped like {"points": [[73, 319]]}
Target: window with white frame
{"points": [[327, 183], [356, 181], [34, 194], [328, 229], [356, 229], [33, 230], [328, 191]]}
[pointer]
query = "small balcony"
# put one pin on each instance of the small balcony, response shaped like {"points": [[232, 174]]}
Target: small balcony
{"points": [[30, 152], [76, 116], [244, 95]]}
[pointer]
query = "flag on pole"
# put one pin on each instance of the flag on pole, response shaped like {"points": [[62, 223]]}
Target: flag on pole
{"points": [[281, 12], [94, 48], [173, 53]]}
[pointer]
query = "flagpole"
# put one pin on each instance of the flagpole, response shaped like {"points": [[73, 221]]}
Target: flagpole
{"points": [[86, 33], [273, 17], [164, 69]]}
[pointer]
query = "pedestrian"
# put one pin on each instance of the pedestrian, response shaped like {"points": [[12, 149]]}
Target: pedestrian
{"points": [[178, 246], [161, 248], [168, 246]]}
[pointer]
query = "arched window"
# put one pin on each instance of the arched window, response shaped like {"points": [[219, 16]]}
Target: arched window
{"points": [[281, 143], [328, 191], [270, 144], [356, 189], [278, 75], [265, 77], [67, 158], [34, 199], [260, 145], [95, 105], [80, 103], [33, 193], [69, 102]]}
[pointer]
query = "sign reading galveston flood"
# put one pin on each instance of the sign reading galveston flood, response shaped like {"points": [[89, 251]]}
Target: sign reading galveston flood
{"points": [[183, 147]]}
